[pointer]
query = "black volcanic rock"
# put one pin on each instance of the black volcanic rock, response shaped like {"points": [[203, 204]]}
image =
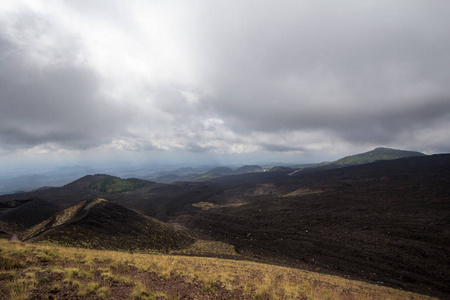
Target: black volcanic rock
{"points": [[28, 212], [14, 203], [385, 221], [101, 224]]}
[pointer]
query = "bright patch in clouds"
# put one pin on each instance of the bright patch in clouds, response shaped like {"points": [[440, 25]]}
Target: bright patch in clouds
{"points": [[312, 79]]}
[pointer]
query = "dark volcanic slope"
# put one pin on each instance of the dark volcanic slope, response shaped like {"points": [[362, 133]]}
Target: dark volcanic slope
{"points": [[156, 200], [22, 214], [64, 196], [387, 221], [101, 224]]}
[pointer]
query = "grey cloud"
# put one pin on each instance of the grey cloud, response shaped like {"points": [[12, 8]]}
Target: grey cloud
{"points": [[195, 148], [352, 71], [51, 104], [357, 72], [280, 148]]}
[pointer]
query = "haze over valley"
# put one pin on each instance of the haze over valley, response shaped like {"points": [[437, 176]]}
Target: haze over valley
{"points": [[379, 216]]}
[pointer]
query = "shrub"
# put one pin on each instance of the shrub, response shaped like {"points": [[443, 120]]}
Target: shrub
{"points": [[45, 279]]}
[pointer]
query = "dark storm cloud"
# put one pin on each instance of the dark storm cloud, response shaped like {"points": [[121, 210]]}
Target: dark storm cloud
{"points": [[57, 102], [239, 77], [366, 73], [387, 127]]}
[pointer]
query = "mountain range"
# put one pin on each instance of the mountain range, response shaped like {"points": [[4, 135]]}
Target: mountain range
{"points": [[382, 221]]}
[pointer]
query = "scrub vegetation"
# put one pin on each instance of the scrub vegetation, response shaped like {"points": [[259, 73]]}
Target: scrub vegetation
{"points": [[113, 185], [383, 223], [45, 271]]}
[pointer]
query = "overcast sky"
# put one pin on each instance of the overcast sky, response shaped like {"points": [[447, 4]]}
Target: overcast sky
{"points": [[273, 80]]}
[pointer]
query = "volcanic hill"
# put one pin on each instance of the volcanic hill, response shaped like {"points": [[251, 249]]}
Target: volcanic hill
{"points": [[387, 221], [101, 224], [379, 153], [24, 213]]}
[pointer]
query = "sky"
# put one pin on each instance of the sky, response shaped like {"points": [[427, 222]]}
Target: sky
{"points": [[303, 81]]}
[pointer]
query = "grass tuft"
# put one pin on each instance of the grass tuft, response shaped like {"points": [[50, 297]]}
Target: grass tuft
{"points": [[19, 289], [9, 263], [55, 288], [103, 292]]}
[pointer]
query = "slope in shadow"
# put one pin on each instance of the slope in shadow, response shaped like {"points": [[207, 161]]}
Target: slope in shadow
{"points": [[386, 221], [21, 214], [101, 224]]}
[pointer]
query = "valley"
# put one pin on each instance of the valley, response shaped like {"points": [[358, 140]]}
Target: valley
{"points": [[384, 222]]}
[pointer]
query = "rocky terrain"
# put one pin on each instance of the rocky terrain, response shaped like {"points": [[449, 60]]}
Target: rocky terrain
{"points": [[385, 222]]}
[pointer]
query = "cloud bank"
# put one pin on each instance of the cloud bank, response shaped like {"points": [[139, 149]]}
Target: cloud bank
{"points": [[224, 77]]}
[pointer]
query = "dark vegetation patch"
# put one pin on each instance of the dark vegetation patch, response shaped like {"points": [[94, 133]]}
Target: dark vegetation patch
{"points": [[112, 184], [280, 168], [375, 155], [248, 169], [221, 171]]}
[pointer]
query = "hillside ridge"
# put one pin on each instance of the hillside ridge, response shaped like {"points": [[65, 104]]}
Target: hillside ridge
{"points": [[382, 221], [64, 217], [380, 153], [101, 224]]}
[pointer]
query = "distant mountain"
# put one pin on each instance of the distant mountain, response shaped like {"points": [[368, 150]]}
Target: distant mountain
{"points": [[279, 168], [221, 171], [35, 180], [376, 154], [13, 203], [112, 184], [168, 178], [190, 174], [101, 224], [184, 171], [248, 169]]}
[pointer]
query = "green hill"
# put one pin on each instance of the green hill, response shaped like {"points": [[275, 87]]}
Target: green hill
{"points": [[112, 184], [220, 171], [248, 169], [279, 168], [376, 154]]}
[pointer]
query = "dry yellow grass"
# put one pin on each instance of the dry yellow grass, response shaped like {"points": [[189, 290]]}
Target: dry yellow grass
{"points": [[76, 268], [303, 192], [208, 205], [201, 247]]}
